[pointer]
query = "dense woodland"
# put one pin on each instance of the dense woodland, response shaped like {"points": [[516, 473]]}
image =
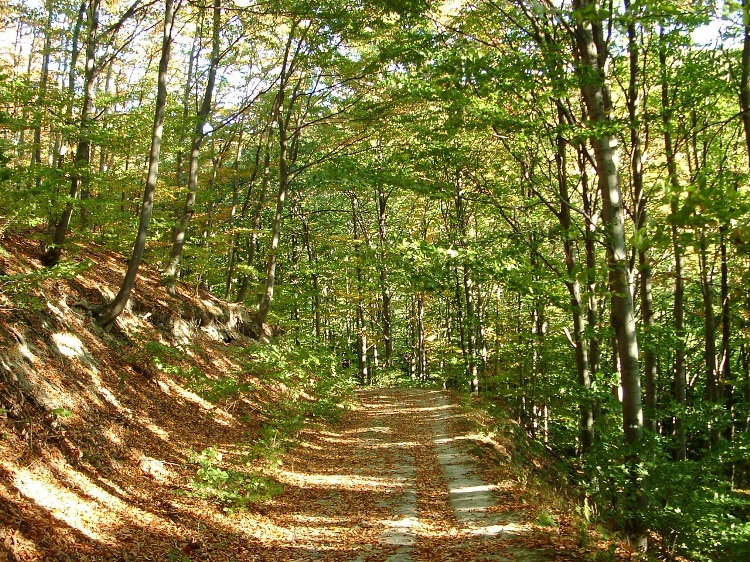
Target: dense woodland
{"points": [[543, 202]]}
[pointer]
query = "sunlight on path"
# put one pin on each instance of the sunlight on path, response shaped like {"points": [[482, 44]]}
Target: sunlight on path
{"points": [[395, 481], [459, 519]]}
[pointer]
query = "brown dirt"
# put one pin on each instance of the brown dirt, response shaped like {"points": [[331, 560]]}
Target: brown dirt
{"points": [[95, 439]]}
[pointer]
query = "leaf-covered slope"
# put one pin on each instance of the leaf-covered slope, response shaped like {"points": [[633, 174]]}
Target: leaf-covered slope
{"points": [[97, 427]]}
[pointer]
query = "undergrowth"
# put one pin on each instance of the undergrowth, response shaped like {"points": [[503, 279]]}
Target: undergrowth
{"points": [[233, 490], [312, 389]]}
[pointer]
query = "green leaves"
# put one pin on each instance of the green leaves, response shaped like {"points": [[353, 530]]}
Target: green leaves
{"points": [[232, 489]]}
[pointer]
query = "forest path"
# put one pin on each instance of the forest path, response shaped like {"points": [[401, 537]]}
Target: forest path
{"points": [[396, 481]]}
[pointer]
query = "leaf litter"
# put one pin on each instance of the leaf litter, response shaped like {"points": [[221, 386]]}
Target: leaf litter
{"points": [[94, 466]]}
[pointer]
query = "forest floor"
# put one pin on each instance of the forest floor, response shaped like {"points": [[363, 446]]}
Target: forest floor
{"points": [[154, 441], [402, 477]]}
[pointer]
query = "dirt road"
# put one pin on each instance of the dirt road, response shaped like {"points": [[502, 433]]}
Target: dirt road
{"points": [[397, 481]]}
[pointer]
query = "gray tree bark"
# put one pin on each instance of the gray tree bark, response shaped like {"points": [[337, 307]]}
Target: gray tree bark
{"points": [[181, 232], [83, 146], [115, 308], [592, 55]]}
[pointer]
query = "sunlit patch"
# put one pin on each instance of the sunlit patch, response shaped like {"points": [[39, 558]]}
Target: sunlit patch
{"points": [[391, 445], [319, 519], [113, 437], [62, 504], [69, 345], [59, 314], [403, 523], [220, 416], [25, 352], [473, 489], [492, 530], [182, 331], [155, 429], [341, 481]]}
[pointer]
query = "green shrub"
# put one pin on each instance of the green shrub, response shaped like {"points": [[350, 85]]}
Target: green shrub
{"points": [[232, 489]]}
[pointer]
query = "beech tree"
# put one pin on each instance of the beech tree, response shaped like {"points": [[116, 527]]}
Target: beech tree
{"points": [[107, 316], [199, 132]]}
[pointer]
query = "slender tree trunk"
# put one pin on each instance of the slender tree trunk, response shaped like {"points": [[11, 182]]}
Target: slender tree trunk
{"points": [[233, 239], [236, 237], [726, 389], [641, 220], [36, 156], [115, 308], [313, 261], [181, 232], [421, 340], [385, 293], [592, 306], [455, 383], [521, 393], [709, 323], [264, 305], [679, 367], [282, 121], [576, 299], [26, 107], [471, 367], [192, 60], [468, 328], [745, 365], [745, 76], [362, 364], [252, 244], [82, 156], [592, 54]]}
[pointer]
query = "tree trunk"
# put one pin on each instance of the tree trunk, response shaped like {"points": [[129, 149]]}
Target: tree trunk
{"points": [[256, 220], [745, 75], [282, 122], [232, 251], [471, 366], [421, 340], [192, 60], [113, 310], [726, 389], [36, 155], [592, 54], [709, 323], [678, 369], [382, 265], [264, 305], [576, 301], [362, 364], [82, 156], [641, 224], [592, 306], [181, 232], [313, 261]]}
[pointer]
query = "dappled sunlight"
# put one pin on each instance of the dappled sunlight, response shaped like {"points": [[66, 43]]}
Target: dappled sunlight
{"points": [[161, 433], [63, 504], [339, 481], [494, 530], [220, 416], [69, 345], [399, 445], [472, 489], [23, 349]]}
